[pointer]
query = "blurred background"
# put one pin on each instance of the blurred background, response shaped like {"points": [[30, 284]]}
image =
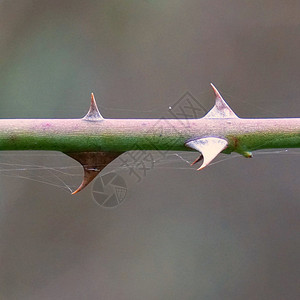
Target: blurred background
{"points": [[228, 232]]}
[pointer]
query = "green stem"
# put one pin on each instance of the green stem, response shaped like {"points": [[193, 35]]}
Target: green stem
{"points": [[78, 135]]}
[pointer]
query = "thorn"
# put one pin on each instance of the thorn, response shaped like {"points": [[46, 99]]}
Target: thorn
{"points": [[208, 147], [88, 177], [197, 160], [93, 113], [221, 109], [216, 92], [93, 101], [93, 163]]}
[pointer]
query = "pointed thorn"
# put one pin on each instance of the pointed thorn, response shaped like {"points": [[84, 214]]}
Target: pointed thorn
{"points": [[92, 163], [216, 92], [208, 147], [93, 100], [197, 160], [202, 166], [93, 113], [88, 178], [221, 109]]}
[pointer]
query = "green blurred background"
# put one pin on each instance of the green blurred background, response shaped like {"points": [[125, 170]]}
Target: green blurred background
{"points": [[228, 232]]}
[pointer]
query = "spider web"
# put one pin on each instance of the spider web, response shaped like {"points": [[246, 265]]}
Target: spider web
{"points": [[59, 171]]}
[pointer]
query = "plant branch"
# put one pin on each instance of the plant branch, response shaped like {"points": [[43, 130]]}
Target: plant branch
{"points": [[95, 141]]}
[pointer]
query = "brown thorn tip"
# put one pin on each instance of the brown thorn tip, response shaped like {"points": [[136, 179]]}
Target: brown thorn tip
{"points": [[216, 92], [197, 159], [93, 113], [93, 102], [80, 188], [92, 163], [88, 177], [92, 97]]}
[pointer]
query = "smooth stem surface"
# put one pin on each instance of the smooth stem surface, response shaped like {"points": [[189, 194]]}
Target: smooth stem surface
{"points": [[77, 135]]}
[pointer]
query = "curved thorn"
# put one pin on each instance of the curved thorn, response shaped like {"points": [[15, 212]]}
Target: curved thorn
{"points": [[87, 178], [216, 92], [221, 109], [197, 159], [209, 148], [92, 163]]}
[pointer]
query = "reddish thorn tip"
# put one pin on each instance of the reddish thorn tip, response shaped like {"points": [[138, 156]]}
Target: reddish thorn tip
{"points": [[77, 191], [216, 92], [92, 97]]}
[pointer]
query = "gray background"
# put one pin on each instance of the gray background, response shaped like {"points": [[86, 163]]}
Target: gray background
{"points": [[228, 232]]}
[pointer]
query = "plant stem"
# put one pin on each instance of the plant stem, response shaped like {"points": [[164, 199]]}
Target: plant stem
{"points": [[94, 141], [79, 135]]}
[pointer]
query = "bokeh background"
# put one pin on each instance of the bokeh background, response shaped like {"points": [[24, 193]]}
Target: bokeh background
{"points": [[228, 232]]}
